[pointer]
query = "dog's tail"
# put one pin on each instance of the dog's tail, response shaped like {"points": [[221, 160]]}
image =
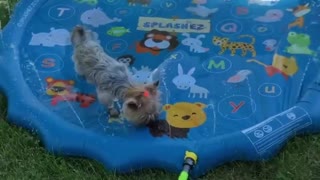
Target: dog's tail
{"points": [[78, 35]]}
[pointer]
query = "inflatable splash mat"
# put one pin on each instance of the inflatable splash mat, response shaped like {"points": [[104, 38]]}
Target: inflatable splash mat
{"points": [[238, 78]]}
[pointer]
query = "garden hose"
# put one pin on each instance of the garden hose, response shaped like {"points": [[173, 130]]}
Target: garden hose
{"points": [[190, 160]]}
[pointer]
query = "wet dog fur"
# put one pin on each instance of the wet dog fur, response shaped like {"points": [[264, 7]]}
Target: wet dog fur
{"points": [[141, 103]]}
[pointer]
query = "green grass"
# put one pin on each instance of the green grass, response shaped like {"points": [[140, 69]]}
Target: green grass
{"points": [[22, 156], [6, 6]]}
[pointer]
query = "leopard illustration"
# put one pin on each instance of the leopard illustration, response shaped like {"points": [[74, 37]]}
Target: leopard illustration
{"points": [[225, 44]]}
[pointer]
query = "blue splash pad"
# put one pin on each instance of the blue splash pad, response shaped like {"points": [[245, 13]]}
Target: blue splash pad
{"points": [[239, 78]]}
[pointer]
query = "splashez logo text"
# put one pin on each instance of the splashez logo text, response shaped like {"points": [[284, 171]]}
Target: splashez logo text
{"points": [[173, 25], [176, 25]]}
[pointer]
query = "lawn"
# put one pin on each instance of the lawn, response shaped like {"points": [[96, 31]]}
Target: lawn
{"points": [[22, 155]]}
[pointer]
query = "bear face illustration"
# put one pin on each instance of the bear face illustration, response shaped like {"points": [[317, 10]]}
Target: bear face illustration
{"points": [[180, 118], [185, 115]]}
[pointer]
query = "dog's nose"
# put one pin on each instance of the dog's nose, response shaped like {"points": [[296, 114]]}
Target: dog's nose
{"points": [[157, 40], [186, 117]]}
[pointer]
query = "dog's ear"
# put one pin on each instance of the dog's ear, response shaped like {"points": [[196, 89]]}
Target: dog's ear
{"points": [[156, 83], [152, 87]]}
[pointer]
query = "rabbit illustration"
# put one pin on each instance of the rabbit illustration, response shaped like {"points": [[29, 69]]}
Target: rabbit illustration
{"points": [[195, 44], [186, 81]]}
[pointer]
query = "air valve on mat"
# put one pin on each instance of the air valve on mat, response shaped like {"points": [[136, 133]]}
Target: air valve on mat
{"points": [[190, 160]]}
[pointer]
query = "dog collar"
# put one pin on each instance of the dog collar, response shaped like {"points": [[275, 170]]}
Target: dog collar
{"points": [[146, 94]]}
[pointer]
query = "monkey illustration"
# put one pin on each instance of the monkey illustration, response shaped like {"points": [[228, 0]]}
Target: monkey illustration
{"points": [[143, 2], [126, 59]]}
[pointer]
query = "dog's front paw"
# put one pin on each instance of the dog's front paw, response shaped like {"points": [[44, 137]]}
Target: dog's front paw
{"points": [[114, 113], [156, 132], [158, 128]]}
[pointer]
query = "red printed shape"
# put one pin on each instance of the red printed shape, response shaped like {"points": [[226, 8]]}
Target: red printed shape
{"points": [[236, 107], [242, 10], [116, 46]]}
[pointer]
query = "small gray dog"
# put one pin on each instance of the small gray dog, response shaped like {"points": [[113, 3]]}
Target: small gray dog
{"points": [[141, 103]]}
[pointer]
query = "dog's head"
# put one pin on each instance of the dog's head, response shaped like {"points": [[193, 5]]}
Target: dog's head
{"points": [[141, 104]]}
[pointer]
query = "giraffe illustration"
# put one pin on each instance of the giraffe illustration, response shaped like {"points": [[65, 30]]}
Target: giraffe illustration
{"points": [[299, 12]]}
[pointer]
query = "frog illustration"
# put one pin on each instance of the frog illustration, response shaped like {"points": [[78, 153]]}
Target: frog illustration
{"points": [[299, 43]]}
